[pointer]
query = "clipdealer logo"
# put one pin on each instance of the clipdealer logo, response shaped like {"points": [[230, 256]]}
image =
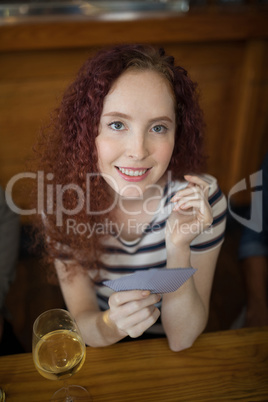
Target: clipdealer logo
{"points": [[255, 222], [50, 196], [47, 193]]}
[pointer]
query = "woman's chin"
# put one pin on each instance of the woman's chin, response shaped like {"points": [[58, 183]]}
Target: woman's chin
{"points": [[131, 195]]}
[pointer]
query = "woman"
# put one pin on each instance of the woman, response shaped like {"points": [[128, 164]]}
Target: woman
{"points": [[124, 157]]}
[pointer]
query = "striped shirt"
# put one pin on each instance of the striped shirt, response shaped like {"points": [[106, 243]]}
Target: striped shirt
{"points": [[123, 257]]}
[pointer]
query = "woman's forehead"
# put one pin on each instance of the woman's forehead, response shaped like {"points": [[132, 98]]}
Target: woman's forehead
{"points": [[140, 89]]}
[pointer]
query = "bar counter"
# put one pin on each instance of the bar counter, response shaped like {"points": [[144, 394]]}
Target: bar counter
{"points": [[221, 366]]}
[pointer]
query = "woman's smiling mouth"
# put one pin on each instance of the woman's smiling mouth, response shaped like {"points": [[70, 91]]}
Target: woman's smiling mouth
{"points": [[133, 174]]}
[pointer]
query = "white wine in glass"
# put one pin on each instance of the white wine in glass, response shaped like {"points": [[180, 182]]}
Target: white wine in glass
{"points": [[59, 352]]}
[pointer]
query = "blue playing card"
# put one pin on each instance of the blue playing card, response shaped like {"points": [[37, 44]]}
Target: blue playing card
{"points": [[163, 280]]}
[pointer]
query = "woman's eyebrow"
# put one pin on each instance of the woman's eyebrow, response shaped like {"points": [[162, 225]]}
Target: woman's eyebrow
{"points": [[117, 114], [125, 116], [161, 118]]}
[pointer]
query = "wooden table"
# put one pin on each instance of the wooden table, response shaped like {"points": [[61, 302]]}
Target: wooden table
{"points": [[229, 365]]}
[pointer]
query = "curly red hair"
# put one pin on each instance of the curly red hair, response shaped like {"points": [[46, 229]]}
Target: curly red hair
{"points": [[68, 149]]}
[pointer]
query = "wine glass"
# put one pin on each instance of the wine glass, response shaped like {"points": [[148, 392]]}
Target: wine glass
{"points": [[59, 352]]}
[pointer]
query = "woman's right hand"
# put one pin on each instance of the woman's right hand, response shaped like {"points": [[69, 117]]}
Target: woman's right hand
{"points": [[133, 311]]}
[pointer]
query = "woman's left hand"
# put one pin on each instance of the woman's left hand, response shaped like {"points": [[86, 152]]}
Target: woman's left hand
{"points": [[191, 214]]}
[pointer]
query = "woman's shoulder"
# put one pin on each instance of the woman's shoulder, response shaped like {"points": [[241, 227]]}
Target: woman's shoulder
{"points": [[215, 194], [214, 235]]}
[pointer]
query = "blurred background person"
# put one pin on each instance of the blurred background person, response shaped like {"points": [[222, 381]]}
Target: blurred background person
{"points": [[253, 254], [9, 249]]}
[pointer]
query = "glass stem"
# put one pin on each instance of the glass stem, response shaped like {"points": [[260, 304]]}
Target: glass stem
{"points": [[66, 387]]}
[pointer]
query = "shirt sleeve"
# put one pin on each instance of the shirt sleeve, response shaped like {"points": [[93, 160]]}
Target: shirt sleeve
{"points": [[214, 235]]}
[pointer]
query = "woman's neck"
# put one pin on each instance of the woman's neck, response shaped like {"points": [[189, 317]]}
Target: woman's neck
{"points": [[134, 215], [146, 203]]}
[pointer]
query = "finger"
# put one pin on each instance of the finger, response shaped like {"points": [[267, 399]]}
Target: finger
{"points": [[194, 202], [193, 196], [199, 182], [134, 306], [120, 298], [125, 323], [192, 191], [197, 208], [138, 329]]}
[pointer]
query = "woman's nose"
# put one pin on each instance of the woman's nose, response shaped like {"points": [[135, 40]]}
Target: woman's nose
{"points": [[137, 147]]}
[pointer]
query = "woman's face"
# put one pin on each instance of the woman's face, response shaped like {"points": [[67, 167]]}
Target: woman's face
{"points": [[136, 133]]}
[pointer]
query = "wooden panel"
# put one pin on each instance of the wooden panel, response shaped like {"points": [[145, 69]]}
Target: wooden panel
{"points": [[30, 87], [205, 24], [232, 78], [251, 123], [216, 68]]}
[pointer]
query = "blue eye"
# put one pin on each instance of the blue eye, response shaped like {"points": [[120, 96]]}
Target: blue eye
{"points": [[159, 129], [117, 125]]}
